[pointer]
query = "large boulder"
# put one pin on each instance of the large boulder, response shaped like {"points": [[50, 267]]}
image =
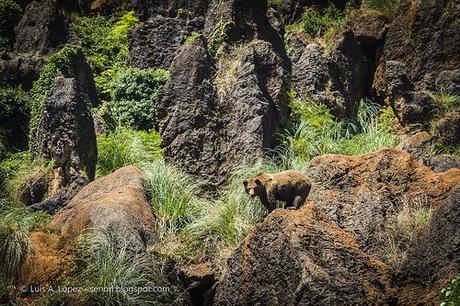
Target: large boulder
{"points": [[156, 42], [302, 258], [361, 194], [208, 132], [116, 205], [64, 132], [42, 28]]}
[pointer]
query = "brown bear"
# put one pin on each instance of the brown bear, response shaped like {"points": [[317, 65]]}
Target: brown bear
{"points": [[289, 186]]}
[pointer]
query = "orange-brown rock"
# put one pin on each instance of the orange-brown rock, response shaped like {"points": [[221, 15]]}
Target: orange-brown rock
{"points": [[115, 204]]}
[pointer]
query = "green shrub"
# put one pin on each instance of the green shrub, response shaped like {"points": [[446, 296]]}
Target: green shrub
{"points": [[386, 8], [18, 170], [219, 35], [191, 38], [104, 40], [10, 14], [133, 97], [15, 225], [14, 117], [173, 196], [60, 61], [451, 293], [125, 147], [317, 133]]}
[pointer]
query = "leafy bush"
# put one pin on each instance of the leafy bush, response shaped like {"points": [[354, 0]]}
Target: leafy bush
{"points": [[14, 117], [173, 196], [386, 8], [451, 293], [133, 97], [104, 40], [57, 62], [15, 224], [126, 147], [219, 35], [10, 14], [317, 133]]}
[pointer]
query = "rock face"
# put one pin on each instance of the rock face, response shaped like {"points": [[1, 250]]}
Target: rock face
{"points": [[65, 132], [208, 133], [338, 80], [424, 40], [302, 258], [19, 69], [114, 204], [155, 42], [42, 28], [434, 257], [362, 193], [332, 250]]}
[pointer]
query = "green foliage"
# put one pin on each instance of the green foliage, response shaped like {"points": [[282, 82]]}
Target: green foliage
{"points": [[133, 97], [451, 293], [14, 113], [111, 267], [275, 3], [15, 224], [104, 40], [10, 14], [18, 170], [386, 8], [219, 35], [125, 147], [191, 38], [173, 196], [60, 61], [447, 101], [317, 133]]}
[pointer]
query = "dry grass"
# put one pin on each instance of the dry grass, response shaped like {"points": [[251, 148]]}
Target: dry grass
{"points": [[227, 68], [414, 215]]}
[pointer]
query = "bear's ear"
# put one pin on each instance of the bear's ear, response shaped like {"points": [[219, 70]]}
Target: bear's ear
{"points": [[245, 183], [258, 182]]}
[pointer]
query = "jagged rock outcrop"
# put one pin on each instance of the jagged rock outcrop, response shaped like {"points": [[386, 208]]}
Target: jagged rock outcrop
{"points": [[42, 28], [424, 40], [156, 42], [333, 249], [447, 130], [433, 258], [208, 127], [19, 69], [362, 193], [65, 132], [302, 258], [116, 205]]}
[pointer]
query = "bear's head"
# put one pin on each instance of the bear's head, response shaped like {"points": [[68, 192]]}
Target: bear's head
{"points": [[253, 186]]}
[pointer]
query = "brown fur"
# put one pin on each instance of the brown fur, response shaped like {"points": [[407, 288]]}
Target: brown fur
{"points": [[289, 186]]}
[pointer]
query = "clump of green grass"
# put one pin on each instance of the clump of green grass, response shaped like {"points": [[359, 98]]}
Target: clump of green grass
{"points": [[191, 38], [121, 270], [173, 196], [19, 171], [447, 101], [385, 8], [413, 215], [125, 147], [316, 132], [451, 293], [219, 35], [227, 69], [15, 225]]}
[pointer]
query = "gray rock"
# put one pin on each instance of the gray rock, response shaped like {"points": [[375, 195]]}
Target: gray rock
{"points": [[444, 162], [449, 81], [448, 129], [155, 42], [42, 28], [19, 69]]}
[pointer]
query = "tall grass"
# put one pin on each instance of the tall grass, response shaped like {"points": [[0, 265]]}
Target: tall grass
{"points": [[115, 276], [15, 225], [173, 196], [386, 8], [315, 131], [125, 147], [19, 171]]}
